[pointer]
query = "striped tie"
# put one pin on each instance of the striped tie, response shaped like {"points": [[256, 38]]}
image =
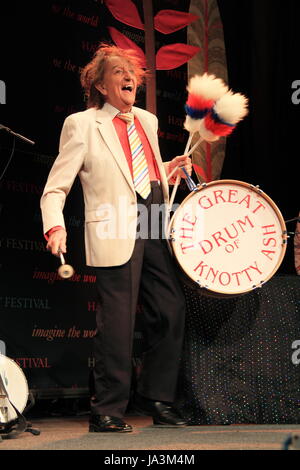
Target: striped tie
{"points": [[141, 178]]}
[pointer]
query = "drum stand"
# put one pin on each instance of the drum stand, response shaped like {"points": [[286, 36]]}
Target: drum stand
{"points": [[15, 428], [12, 429]]}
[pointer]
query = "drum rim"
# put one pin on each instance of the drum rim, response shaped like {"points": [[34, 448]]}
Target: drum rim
{"points": [[274, 207]]}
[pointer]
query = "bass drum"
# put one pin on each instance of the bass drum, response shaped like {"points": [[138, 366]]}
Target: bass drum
{"points": [[13, 388], [228, 238]]}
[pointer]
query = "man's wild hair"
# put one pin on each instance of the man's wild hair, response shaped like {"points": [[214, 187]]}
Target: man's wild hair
{"points": [[93, 73]]}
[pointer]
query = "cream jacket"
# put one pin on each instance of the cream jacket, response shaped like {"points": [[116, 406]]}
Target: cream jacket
{"points": [[89, 147]]}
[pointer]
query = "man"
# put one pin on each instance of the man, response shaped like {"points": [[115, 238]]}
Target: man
{"points": [[117, 180]]}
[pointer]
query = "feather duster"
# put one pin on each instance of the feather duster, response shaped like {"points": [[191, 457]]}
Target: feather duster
{"points": [[224, 116], [204, 91]]}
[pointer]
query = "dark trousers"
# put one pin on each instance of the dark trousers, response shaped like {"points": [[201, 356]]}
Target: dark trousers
{"points": [[150, 272]]}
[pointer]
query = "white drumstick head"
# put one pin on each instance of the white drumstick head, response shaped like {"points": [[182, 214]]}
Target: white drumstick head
{"points": [[65, 271]]}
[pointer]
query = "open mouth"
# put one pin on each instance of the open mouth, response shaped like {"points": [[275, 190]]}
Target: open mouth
{"points": [[127, 88]]}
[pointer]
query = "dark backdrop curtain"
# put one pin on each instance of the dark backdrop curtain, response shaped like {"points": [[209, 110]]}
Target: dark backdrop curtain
{"points": [[262, 38], [238, 354]]}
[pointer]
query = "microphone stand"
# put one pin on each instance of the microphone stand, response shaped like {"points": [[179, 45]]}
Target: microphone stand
{"points": [[15, 134], [293, 220], [19, 136]]}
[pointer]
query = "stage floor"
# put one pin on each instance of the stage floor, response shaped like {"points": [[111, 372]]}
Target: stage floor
{"points": [[71, 433]]}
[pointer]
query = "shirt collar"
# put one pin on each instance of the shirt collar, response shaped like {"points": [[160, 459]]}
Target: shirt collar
{"points": [[111, 110]]}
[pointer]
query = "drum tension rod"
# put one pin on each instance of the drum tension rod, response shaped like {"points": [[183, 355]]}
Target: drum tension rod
{"points": [[256, 188]]}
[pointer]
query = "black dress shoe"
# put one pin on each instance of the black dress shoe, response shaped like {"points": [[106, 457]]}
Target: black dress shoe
{"points": [[100, 423], [163, 414]]}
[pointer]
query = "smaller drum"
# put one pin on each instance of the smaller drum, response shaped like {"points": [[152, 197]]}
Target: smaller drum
{"points": [[228, 237], [13, 384]]}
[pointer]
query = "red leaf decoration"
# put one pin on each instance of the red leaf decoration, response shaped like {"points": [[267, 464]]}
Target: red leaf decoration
{"points": [[125, 11], [169, 21], [124, 42], [174, 55]]}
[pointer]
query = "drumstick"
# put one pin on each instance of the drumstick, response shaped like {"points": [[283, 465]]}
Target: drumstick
{"points": [[178, 178], [172, 172], [167, 227], [65, 270], [195, 146], [187, 154], [175, 187], [188, 142], [176, 168]]}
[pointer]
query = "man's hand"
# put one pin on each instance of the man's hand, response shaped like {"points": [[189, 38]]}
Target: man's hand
{"points": [[181, 161], [57, 241]]}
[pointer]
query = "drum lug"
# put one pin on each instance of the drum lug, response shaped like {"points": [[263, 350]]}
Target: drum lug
{"points": [[172, 239], [285, 236], [201, 286], [259, 286], [256, 188]]}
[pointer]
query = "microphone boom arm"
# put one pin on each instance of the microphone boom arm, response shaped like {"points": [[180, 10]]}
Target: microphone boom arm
{"points": [[19, 136]]}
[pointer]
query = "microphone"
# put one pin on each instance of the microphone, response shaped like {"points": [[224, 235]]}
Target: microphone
{"points": [[7, 129], [293, 220]]}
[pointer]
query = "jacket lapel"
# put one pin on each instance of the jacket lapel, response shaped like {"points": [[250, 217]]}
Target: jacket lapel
{"points": [[110, 137]]}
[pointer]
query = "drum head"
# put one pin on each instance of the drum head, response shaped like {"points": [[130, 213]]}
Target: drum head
{"points": [[228, 237], [16, 387]]}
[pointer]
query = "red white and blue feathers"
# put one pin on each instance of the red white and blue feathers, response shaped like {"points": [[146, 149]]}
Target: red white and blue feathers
{"points": [[212, 109]]}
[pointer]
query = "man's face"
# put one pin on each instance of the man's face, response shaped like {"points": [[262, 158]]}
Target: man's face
{"points": [[119, 83]]}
